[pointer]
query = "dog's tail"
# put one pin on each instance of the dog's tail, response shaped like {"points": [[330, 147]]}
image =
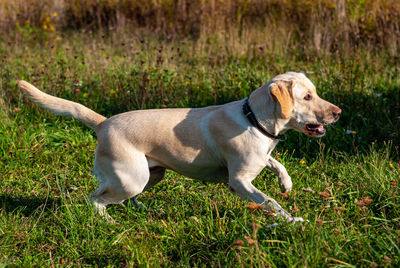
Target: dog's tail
{"points": [[62, 107]]}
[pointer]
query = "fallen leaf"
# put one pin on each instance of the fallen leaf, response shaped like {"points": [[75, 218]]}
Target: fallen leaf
{"points": [[387, 260], [341, 184], [393, 182], [328, 189], [238, 243], [308, 190], [270, 212], [338, 208], [295, 209], [373, 265], [250, 240], [324, 194], [360, 203], [284, 195], [367, 200], [15, 110], [255, 206], [336, 231], [319, 222]]}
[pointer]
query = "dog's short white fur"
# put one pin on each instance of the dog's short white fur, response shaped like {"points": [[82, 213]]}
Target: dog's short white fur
{"points": [[216, 143]]}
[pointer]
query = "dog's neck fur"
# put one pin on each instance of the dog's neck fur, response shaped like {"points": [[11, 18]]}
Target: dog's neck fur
{"points": [[267, 111]]}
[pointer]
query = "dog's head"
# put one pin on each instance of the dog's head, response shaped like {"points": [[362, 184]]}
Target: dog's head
{"points": [[297, 102]]}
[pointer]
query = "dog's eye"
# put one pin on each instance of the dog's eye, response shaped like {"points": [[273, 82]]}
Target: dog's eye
{"points": [[308, 97]]}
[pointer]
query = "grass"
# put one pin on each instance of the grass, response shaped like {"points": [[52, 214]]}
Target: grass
{"points": [[45, 219]]}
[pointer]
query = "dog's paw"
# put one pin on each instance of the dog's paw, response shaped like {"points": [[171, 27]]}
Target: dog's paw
{"points": [[297, 219], [285, 185], [290, 219], [285, 189], [272, 225], [133, 202]]}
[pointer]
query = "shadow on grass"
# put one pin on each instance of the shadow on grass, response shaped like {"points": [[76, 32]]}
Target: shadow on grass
{"points": [[27, 206]]}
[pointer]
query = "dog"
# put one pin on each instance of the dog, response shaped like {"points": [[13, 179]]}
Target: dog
{"points": [[228, 143]]}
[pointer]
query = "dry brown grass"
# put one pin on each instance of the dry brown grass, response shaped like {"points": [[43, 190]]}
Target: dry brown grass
{"points": [[247, 26]]}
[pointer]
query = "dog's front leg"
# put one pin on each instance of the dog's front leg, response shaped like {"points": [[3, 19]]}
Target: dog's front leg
{"points": [[284, 180], [242, 186]]}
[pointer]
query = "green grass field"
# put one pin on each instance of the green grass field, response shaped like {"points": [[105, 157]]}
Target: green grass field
{"points": [[45, 219]]}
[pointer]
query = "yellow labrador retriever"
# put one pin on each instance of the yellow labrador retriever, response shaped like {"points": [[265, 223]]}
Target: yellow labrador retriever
{"points": [[228, 143]]}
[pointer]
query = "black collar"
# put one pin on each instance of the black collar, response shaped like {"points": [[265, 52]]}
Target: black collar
{"points": [[253, 120]]}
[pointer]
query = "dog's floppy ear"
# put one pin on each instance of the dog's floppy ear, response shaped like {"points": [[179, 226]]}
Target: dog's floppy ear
{"points": [[283, 92]]}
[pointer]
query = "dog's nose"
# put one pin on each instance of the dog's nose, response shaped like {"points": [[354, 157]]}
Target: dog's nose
{"points": [[336, 112]]}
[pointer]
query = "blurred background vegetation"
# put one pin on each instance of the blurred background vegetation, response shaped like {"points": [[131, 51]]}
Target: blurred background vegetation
{"points": [[320, 26]]}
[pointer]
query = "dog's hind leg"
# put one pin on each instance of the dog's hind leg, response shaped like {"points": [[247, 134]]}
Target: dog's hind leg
{"points": [[157, 173], [121, 178]]}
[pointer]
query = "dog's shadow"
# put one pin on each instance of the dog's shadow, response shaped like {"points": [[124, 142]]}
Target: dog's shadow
{"points": [[26, 206]]}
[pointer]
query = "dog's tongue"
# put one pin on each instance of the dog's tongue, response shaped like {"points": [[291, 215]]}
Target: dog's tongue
{"points": [[320, 129]]}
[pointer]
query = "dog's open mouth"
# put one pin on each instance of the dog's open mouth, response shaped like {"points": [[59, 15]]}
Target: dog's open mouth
{"points": [[315, 130]]}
